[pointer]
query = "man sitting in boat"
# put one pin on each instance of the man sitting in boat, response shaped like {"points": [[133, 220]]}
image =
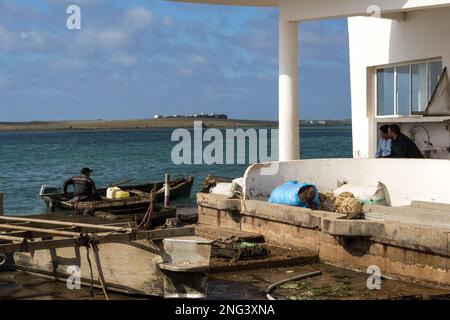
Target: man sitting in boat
{"points": [[402, 146], [384, 146], [84, 186]]}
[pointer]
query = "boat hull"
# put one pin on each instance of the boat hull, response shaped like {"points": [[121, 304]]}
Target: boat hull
{"points": [[132, 268]]}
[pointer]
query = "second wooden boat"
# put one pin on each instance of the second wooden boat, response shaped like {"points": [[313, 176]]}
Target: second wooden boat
{"points": [[139, 200]]}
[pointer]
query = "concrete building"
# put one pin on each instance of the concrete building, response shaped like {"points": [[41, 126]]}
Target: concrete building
{"points": [[398, 51], [401, 44]]}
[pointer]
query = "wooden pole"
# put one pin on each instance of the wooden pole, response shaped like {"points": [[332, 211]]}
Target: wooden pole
{"points": [[167, 191], [41, 230], [11, 238], [1, 204], [68, 224]]}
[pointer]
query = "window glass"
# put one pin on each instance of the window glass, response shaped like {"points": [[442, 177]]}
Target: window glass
{"points": [[434, 73], [419, 87], [385, 91], [403, 95]]}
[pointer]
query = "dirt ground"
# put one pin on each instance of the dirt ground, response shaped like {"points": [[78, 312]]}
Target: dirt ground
{"points": [[334, 283]]}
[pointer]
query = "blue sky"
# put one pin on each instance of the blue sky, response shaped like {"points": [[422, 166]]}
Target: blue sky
{"points": [[133, 59]]}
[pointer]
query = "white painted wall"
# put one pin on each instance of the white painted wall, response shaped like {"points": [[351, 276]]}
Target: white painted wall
{"points": [[376, 42], [405, 179]]}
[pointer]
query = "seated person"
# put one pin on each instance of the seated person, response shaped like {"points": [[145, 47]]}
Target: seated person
{"points": [[384, 146], [84, 186], [402, 146]]}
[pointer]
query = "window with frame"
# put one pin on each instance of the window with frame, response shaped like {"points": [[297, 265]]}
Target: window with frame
{"points": [[406, 88]]}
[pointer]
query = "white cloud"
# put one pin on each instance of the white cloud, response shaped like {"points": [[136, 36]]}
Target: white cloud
{"points": [[116, 37], [123, 59], [33, 38], [89, 40], [196, 59], [137, 18], [187, 72], [168, 22], [4, 83], [13, 40], [112, 38], [64, 64], [7, 39]]}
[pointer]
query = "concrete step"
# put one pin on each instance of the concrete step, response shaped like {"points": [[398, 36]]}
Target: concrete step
{"points": [[279, 257], [214, 233]]}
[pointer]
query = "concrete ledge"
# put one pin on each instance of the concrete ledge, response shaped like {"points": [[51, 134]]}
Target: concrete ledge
{"points": [[404, 250], [352, 228], [416, 237], [301, 217], [218, 202], [422, 238]]}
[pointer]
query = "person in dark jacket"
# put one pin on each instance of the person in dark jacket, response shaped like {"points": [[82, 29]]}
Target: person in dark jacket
{"points": [[402, 146], [83, 185]]}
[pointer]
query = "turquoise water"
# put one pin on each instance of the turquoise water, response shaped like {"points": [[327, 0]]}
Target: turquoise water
{"points": [[31, 159]]}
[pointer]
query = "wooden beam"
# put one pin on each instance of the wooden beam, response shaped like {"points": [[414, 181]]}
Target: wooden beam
{"points": [[41, 230], [101, 239], [11, 238], [68, 224]]}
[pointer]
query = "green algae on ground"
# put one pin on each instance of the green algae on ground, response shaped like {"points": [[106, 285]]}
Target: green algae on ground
{"points": [[300, 290]]}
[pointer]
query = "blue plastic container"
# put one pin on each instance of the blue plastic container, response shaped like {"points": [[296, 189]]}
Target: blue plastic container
{"points": [[287, 194]]}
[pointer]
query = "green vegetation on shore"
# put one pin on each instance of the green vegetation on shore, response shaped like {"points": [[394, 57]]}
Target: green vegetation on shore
{"points": [[148, 124]]}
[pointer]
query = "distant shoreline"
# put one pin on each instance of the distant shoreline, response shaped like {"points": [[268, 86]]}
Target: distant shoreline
{"points": [[153, 124]]}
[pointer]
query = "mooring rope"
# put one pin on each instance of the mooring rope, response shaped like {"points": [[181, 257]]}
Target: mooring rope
{"points": [[99, 268], [147, 220], [92, 274], [92, 244]]}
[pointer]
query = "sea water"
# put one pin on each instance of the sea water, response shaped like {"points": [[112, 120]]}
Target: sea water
{"points": [[31, 159]]}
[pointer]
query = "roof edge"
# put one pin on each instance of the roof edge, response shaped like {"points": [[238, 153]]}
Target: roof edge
{"points": [[248, 3]]}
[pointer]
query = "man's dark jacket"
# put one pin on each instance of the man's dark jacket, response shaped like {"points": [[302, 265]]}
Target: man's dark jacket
{"points": [[404, 147], [83, 186]]}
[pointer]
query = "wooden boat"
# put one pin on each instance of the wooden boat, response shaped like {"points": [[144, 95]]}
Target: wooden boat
{"points": [[170, 263], [139, 201]]}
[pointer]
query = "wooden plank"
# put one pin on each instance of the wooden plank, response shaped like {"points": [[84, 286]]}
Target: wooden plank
{"points": [[101, 238], [69, 224], [41, 230]]}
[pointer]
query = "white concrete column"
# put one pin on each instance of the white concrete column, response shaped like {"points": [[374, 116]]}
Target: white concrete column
{"points": [[289, 141]]}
